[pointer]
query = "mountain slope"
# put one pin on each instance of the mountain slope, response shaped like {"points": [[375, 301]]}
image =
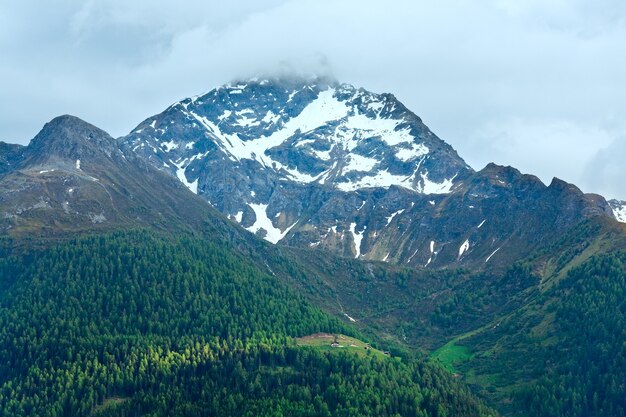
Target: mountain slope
{"points": [[73, 177], [488, 218], [563, 354], [315, 163]]}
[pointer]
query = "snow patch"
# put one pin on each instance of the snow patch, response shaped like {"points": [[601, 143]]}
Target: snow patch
{"points": [[245, 121], [464, 247], [296, 175], [272, 234], [619, 211], [270, 118], [432, 252], [390, 218], [430, 187], [180, 173], [78, 164], [323, 155], [224, 115], [168, 146], [386, 129], [304, 142], [493, 253], [358, 238], [416, 150], [382, 179], [375, 106], [360, 163]]}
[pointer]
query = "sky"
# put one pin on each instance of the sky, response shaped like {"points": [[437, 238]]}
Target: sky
{"points": [[536, 84]]}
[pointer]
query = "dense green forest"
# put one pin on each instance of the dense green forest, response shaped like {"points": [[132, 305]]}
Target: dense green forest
{"points": [[564, 354], [137, 323]]}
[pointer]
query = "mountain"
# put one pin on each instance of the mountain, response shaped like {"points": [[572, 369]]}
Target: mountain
{"points": [[315, 163], [124, 293], [73, 177]]}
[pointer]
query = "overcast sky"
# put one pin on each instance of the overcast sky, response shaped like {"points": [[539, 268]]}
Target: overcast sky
{"points": [[537, 84]]}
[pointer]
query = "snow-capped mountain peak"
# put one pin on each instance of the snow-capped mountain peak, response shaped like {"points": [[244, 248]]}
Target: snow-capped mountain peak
{"points": [[313, 131], [316, 163]]}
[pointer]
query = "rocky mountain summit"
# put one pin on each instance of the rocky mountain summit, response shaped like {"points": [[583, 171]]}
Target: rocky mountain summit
{"points": [[315, 132], [316, 163], [74, 177]]}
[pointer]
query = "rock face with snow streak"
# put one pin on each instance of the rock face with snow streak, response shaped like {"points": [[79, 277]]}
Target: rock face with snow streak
{"points": [[619, 210], [315, 163]]}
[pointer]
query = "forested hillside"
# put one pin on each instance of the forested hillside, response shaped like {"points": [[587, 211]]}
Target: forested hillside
{"points": [[564, 354], [137, 323]]}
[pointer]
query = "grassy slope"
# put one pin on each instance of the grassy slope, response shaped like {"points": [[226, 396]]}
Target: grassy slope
{"points": [[503, 358], [323, 342]]}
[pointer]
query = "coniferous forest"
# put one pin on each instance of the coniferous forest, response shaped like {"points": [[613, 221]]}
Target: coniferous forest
{"points": [[141, 324]]}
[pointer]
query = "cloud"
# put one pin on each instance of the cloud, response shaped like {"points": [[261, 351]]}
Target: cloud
{"points": [[538, 146], [606, 172], [475, 71]]}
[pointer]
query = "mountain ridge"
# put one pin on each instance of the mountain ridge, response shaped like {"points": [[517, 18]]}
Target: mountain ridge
{"points": [[354, 164], [74, 177]]}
